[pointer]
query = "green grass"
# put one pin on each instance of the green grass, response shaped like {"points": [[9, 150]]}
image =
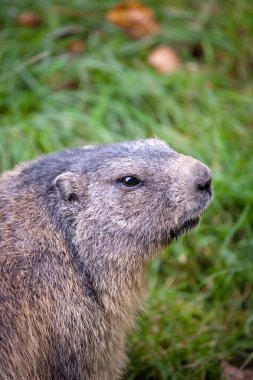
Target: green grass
{"points": [[200, 305]]}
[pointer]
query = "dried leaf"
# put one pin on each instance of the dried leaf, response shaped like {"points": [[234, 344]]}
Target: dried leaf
{"points": [[29, 19], [164, 59], [69, 85], [58, 82], [76, 46], [229, 372], [136, 19], [248, 374]]}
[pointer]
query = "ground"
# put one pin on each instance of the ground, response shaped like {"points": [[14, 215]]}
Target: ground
{"points": [[199, 312]]}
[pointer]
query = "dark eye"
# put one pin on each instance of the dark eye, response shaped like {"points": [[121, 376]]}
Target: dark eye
{"points": [[130, 181]]}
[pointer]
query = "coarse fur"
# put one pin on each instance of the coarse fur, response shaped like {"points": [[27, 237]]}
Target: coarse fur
{"points": [[74, 247]]}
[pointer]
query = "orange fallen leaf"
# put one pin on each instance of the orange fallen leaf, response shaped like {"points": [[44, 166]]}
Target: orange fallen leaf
{"points": [[164, 59], [76, 46], [136, 19], [29, 19]]}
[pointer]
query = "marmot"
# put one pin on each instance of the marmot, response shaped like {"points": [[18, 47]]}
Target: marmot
{"points": [[77, 229]]}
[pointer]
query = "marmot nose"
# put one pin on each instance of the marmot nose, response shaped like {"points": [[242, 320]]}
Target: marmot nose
{"points": [[205, 185]]}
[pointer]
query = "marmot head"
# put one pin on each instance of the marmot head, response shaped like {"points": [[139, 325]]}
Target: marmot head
{"points": [[135, 194]]}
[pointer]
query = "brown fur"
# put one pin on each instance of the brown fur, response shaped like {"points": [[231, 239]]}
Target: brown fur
{"points": [[74, 246]]}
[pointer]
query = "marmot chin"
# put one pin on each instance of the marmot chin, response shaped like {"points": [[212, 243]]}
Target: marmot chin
{"points": [[77, 230]]}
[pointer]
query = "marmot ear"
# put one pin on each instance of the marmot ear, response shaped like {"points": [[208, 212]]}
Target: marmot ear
{"points": [[69, 187]]}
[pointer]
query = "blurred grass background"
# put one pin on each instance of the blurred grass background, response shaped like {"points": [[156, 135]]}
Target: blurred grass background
{"points": [[199, 312]]}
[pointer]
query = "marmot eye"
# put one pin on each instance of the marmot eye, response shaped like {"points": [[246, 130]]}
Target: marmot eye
{"points": [[130, 181]]}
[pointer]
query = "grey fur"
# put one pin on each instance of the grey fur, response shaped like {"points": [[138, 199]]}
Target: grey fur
{"points": [[74, 247]]}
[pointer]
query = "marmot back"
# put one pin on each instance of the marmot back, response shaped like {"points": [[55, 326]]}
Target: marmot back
{"points": [[77, 230]]}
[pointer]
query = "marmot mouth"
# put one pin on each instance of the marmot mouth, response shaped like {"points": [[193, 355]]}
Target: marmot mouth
{"points": [[185, 227]]}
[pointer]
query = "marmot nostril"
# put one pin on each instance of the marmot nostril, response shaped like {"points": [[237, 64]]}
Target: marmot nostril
{"points": [[205, 185]]}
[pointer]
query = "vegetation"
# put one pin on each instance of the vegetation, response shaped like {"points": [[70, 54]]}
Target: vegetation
{"points": [[199, 312]]}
